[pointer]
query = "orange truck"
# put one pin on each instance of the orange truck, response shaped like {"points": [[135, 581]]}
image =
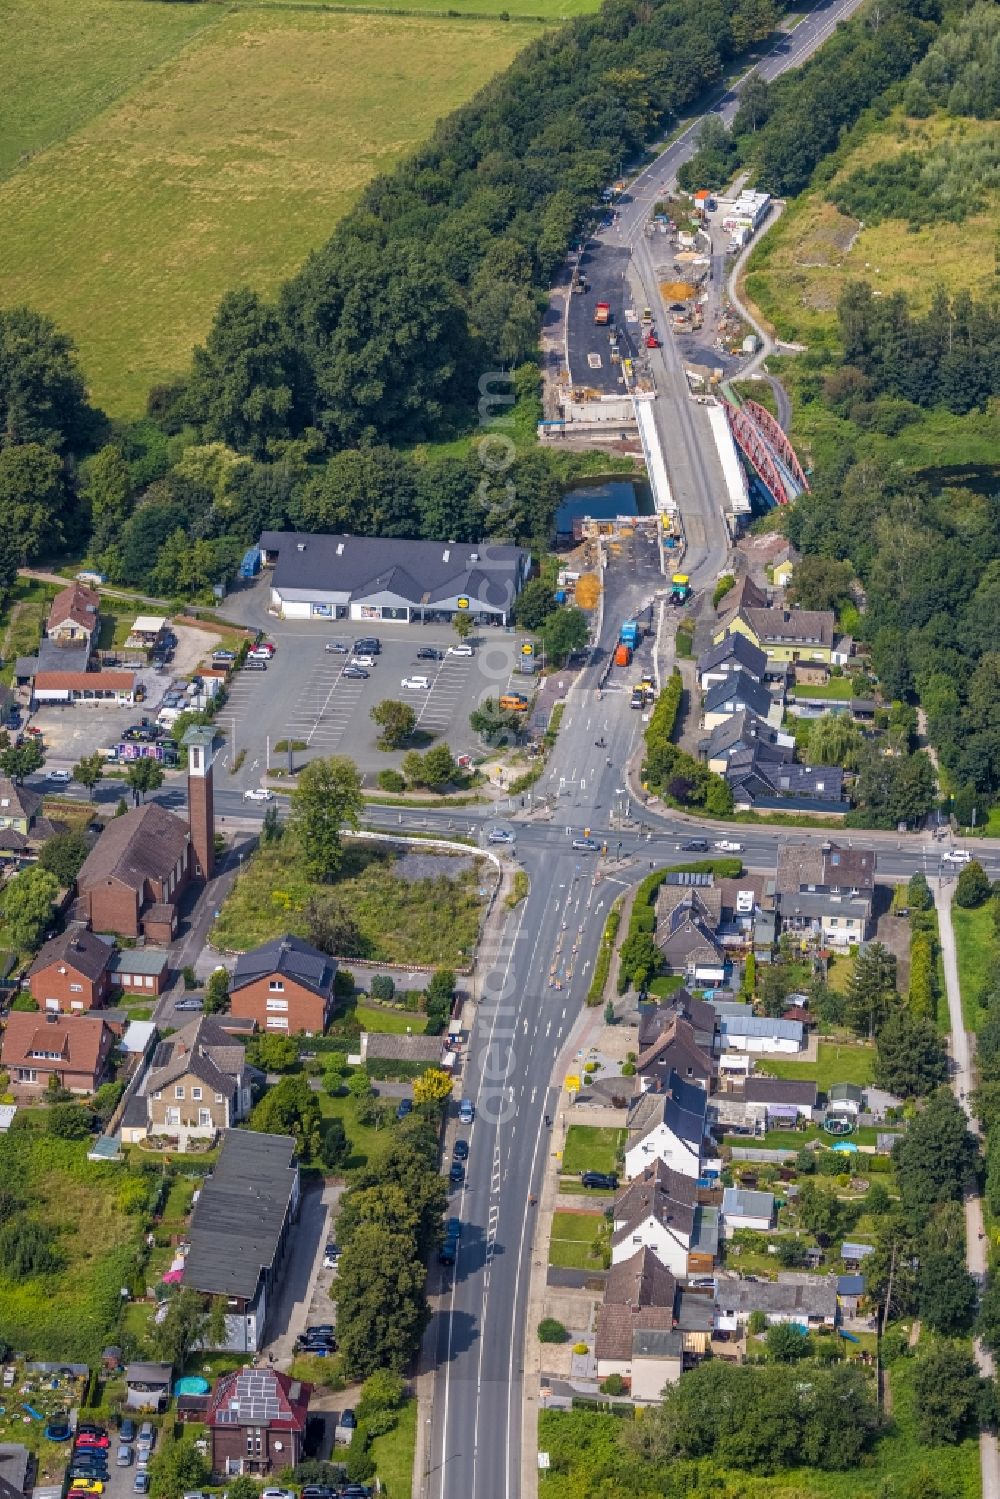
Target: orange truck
{"points": [[602, 313], [623, 655]]}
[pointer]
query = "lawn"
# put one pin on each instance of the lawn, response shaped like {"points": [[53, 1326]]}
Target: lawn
{"points": [[366, 1142], [577, 1240], [427, 921], [975, 948], [393, 1454], [224, 166], [591, 1149], [22, 621], [72, 1313], [836, 1062], [837, 689], [389, 1022]]}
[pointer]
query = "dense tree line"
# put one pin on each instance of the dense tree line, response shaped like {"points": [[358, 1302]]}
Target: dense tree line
{"points": [[961, 71], [947, 183], [784, 129], [929, 560]]}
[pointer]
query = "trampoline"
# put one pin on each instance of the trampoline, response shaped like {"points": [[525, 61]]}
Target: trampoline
{"points": [[838, 1126]]}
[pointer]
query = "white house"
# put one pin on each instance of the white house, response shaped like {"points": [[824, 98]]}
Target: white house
{"points": [[761, 1033], [668, 1127], [655, 1212], [744, 1209], [808, 1301]]}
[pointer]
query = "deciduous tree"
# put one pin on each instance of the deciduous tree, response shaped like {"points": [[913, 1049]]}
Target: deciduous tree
{"points": [[396, 722], [326, 799]]}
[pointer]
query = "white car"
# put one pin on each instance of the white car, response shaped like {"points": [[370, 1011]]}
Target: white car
{"points": [[956, 856], [258, 794], [729, 847], [461, 650], [367, 662], [60, 777], [416, 684], [278, 1494]]}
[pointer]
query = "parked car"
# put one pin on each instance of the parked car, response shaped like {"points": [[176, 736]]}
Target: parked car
{"points": [[348, 1419], [123, 1457], [314, 1491], [126, 1429], [86, 1486], [461, 650], [140, 1483], [255, 663], [278, 1494], [142, 1450], [695, 846], [448, 1252], [728, 846], [331, 1257], [147, 1433], [354, 672], [607, 1181], [501, 835], [90, 1429], [586, 845], [258, 794], [368, 662], [457, 1174], [461, 1150], [190, 1004], [956, 856], [466, 1111], [90, 1460], [92, 1438], [337, 647], [429, 653], [221, 655], [370, 645], [258, 653], [453, 1228], [416, 684], [60, 777], [320, 1330]]}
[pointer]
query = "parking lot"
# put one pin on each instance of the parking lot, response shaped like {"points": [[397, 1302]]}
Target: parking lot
{"points": [[304, 695]]}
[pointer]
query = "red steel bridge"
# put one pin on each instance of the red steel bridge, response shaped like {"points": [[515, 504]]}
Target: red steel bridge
{"points": [[767, 450]]}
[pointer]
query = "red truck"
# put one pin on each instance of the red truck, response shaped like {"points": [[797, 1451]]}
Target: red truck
{"points": [[602, 313]]}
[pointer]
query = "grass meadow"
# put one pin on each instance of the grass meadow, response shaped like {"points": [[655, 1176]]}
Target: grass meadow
{"points": [[215, 148]]}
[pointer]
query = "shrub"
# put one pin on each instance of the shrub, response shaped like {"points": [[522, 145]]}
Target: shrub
{"points": [[581, 1348], [383, 987], [551, 1331], [391, 780], [613, 1385]]}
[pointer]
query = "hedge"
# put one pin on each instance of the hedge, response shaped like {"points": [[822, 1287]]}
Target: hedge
{"points": [[602, 966]]}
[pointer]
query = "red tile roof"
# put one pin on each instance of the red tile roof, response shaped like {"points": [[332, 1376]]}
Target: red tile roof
{"points": [[82, 1041], [240, 1398], [96, 681], [76, 603]]}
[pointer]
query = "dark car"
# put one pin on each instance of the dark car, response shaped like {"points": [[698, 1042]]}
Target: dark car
{"points": [[318, 1491], [320, 1330], [428, 653], [369, 646], [126, 1430], [448, 1252], [457, 1173], [453, 1228], [461, 1150], [695, 846], [354, 672], [348, 1419], [404, 1107], [600, 1179]]}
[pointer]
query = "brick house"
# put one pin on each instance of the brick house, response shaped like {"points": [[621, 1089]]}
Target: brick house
{"points": [[285, 986], [74, 614], [257, 1419], [72, 972], [75, 1049], [140, 970], [134, 875], [198, 1084]]}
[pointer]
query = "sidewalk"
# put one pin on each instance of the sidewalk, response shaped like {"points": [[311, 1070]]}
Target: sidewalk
{"points": [[976, 1248]]}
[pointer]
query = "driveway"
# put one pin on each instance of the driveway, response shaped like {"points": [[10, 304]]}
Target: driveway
{"points": [[304, 1297]]}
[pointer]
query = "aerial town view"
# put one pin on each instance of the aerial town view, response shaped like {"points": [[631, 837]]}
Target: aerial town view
{"points": [[500, 749]]}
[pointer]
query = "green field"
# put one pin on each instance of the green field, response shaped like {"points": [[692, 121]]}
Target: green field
{"points": [[975, 948], [215, 151], [591, 1149], [837, 1062], [576, 1241]]}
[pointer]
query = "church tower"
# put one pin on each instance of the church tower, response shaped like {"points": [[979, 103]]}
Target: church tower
{"points": [[200, 743]]}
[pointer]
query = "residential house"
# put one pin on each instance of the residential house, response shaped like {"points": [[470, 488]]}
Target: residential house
{"points": [[15, 1466], [744, 594], [198, 1085], [285, 985], [807, 1301], [688, 942], [778, 1100], [854, 1255], [745, 733], [140, 970], [72, 972], [643, 1346], [655, 1212], [257, 1421], [74, 615], [705, 1235], [784, 634], [759, 1034], [19, 807], [241, 1231], [654, 1019], [135, 874], [739, 693], [668, 1127], [745, 899], [782, 569], [74, 1049], [147, 1386], [675, 1050], [845, 1099], [758, 783], [826, 890], [850, 1294], [745, 1209], [735, 653], [832, 920]]}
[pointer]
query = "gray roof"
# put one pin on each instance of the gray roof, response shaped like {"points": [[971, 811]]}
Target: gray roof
{"points": [[850, 1285], [640, 1281], [815, 904], [745, 731], [148, 1373], [762, 1025], [693, 1310], [850, 1251], [290, 956], [791, 626], [422, 572], [400, 1048], [140, 845], [780, 1090], [740, 689], [145, 960], [738, 1202], [809, 1296], [658, 1192], [705, 1233], [846, 1093], [15, 1460], [77, 948], [661, 1342], [735, 648], [21, 800], [239, 1218]]}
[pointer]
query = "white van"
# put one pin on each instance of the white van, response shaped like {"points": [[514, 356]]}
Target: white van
{"points": [[956, 856], [416, 684]]}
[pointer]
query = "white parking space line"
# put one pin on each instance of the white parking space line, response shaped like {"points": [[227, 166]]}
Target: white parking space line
{"points": [[438, 710]]}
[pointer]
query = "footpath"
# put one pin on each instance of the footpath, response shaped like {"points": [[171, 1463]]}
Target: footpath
{"points": [[962, 1083]]}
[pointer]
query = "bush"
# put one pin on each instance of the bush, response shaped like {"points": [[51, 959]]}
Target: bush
{"points": [[973, 888], [383, 988], [613, 1385], [581, 1348], [551, 1331], [391, 780]]}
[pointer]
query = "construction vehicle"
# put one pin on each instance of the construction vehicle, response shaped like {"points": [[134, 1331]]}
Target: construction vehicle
{"points": [[602, 313], [630, 634], [623, 655], [680, 588], [647, 315], [652, 342]]}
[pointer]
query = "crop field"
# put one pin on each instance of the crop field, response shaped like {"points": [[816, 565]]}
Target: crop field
{"points": [[214, 150]]}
